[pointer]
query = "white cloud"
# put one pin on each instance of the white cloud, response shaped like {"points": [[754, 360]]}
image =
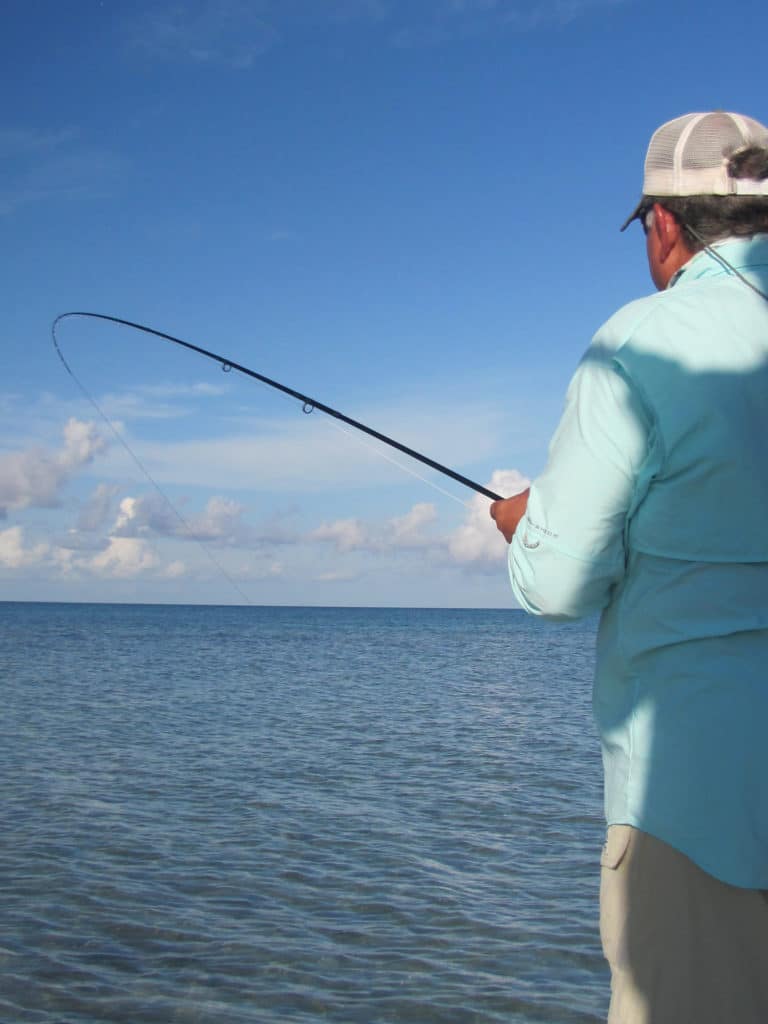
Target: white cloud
{"points": [[141, 516], [13, 554], [82, 442], [81, 540], [146, 533], [477, 542], [114, 558], [394, 534], [124, 558], [345, 534], [221, 521], [408, 530], [35, 477], [95, 512], [121, 558]]}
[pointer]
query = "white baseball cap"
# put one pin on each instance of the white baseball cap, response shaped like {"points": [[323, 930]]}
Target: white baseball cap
{"points": [[690, 156]]}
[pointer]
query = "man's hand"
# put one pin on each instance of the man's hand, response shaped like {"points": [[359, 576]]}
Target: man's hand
{"points": [[508, 512]]}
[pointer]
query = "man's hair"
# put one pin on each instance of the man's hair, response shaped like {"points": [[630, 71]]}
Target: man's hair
{"points": [[705, 219]]}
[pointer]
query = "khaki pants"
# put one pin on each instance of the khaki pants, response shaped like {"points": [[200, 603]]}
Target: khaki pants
{"points": [[683, 947]]}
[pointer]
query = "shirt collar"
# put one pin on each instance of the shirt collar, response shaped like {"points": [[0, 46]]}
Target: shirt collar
{"points": [[740, 253]]}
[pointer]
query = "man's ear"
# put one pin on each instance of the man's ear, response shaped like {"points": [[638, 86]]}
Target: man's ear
{"points": [[668, 232]]}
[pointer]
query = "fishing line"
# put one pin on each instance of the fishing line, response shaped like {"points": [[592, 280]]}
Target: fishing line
{"points": [[400, 465], [308, 404], [726, 265], [376, 450], [116, 433], [388, 458]]}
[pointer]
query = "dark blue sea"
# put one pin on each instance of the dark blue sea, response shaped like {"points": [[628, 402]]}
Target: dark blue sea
{"points": [[236, 815]]}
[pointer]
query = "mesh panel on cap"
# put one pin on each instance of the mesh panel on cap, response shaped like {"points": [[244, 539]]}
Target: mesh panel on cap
{"points": [[689, 156], [661, 152], [712, 139]]}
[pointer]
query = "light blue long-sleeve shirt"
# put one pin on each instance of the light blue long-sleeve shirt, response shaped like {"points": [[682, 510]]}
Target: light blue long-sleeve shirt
{"points": [[653, 510]]}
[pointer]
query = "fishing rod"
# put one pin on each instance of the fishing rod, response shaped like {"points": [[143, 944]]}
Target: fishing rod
{"points": [[308, 404]]}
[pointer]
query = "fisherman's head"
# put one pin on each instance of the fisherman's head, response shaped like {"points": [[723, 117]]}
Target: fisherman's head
{"points": [[706, 178]]}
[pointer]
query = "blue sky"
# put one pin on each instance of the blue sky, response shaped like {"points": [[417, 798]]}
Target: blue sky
{"points": [[408, 210]]}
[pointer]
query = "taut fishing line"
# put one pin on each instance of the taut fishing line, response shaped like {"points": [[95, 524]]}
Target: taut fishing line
{"points": [[339, 420], [308, 404], [400, 465], [158, 489]]}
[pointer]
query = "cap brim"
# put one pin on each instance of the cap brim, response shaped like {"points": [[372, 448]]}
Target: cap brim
{"points": [[633, 216]]}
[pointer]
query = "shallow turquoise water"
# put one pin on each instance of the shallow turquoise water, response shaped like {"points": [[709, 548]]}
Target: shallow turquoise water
{"points": [[292, 815]]}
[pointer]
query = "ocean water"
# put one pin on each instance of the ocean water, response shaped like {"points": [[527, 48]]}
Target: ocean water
{"points": [[217, 814]]}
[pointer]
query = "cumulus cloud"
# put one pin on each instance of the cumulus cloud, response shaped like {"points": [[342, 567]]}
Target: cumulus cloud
{"points": [[35, 477], [121, 558], [345, 534], [477, 542], [474, 545], [124, 558], [77, 540], [137, 516], [13, 554], [82, 442], [82, 555], [408, 531], [95, 512], [145, 534], [220, 522]]}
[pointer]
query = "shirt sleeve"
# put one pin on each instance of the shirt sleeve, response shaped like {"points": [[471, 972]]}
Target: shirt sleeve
{"points": [[569, 550]]}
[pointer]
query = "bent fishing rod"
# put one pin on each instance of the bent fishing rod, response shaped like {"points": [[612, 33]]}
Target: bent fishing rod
{"points": [[308, 404]]}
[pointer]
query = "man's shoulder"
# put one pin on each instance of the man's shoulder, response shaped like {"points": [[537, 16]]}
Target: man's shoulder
{"points": [[627, 320]]}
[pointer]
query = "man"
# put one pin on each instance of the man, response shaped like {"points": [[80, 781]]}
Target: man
{"points": [[653, 510]]}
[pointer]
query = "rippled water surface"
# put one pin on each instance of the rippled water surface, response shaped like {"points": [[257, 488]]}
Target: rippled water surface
{"points": [[291, 815]]}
